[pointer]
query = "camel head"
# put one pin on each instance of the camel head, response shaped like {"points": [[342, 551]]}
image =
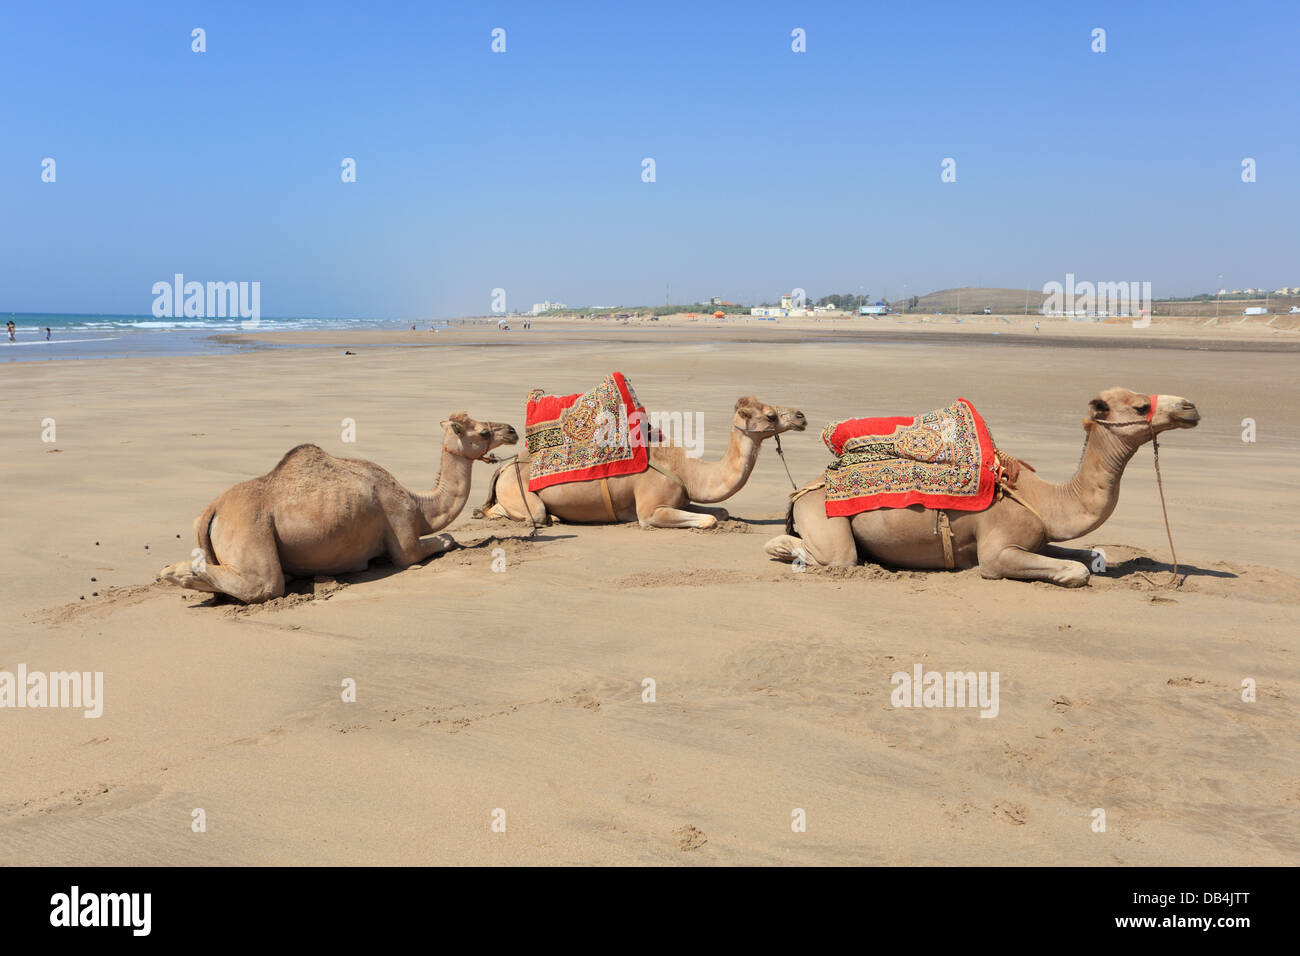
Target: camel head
{"points": [[1128, 414], [760, 420], [463, 436]]}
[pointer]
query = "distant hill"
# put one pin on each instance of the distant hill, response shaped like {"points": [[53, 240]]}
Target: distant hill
{"points": [[1013, 302], [1001, 301]]}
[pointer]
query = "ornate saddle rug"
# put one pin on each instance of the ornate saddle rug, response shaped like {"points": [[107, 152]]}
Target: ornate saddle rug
{"points": [[942, 459], [585, 436]]}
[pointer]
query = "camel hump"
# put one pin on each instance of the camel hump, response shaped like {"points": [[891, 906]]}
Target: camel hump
{"points": [[301, 454]]}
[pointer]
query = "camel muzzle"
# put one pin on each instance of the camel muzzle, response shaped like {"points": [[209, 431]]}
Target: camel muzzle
{"points": [[1186, 415]]}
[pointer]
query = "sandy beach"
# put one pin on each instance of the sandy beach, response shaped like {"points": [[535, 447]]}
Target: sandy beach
{"points": [[522, 690]]}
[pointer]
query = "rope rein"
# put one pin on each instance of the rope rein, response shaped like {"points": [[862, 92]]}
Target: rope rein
{"points": [[492, 459], [781, 455]]}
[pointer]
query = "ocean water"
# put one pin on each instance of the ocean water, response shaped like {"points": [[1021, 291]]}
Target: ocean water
{"points": [[111, 336]]}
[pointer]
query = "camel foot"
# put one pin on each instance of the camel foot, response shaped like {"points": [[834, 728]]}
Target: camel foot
{"points": [[1075, 577], [182, 575], [788, 548]]}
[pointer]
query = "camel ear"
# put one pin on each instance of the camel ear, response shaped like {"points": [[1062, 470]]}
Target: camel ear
{"points": [[1098, 407], [746, 401]]}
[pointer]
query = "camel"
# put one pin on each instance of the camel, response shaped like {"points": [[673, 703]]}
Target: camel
{"points": [[1011, 538], [665, 495], [315, 514]]}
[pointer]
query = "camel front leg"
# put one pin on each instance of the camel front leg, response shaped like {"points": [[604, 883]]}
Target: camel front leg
{"points": [[1093, 558], [405, 550], [1016, 562], [676, 518], [720, 513]]}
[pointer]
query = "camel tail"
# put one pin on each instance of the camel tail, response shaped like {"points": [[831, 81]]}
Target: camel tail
{"points": [[482, 510], [203, 529]]}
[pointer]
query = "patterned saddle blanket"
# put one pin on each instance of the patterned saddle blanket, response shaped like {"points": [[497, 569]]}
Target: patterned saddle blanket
{"points": [[942, 460], [583, 437]]}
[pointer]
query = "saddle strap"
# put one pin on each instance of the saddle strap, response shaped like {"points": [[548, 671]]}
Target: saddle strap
{"points": [[609, 502], [668, 474], [1021, 501], [944, 530]]}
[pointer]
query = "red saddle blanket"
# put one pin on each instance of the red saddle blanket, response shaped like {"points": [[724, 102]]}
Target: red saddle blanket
{"points": [[942, 459], [585, 436]]}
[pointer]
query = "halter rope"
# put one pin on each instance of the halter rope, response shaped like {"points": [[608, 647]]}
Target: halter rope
{"points": [[1174, 582]]}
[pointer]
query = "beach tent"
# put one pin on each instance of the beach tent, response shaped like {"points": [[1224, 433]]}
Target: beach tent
{"points": [[719, 315]]}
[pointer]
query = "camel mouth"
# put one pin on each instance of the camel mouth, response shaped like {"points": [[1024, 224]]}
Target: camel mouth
{"points": [[1188, 419]]}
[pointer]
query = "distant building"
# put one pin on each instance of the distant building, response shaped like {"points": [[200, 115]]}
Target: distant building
{"points": [[540, 307]]}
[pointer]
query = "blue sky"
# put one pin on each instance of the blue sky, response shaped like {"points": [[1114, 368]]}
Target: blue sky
{"points": [[522, 170]]}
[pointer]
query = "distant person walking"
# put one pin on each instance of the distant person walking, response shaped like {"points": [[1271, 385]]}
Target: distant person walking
{"points": [[47, 333], [12, 329]]}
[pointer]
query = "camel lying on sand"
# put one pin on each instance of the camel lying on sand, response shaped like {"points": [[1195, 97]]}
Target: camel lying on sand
{"points": [[316, 514], [1007, 539], [662, 496]]}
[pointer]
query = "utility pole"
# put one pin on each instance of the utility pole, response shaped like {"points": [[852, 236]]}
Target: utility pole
{"points": [[1218, 297]]}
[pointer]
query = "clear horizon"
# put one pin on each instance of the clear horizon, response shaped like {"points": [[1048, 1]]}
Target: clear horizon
{"points": [[523, 170]]}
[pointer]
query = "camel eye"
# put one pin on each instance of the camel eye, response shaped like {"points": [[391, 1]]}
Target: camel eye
{"points": [[1143, 409], [771, 416], [484, 433]]}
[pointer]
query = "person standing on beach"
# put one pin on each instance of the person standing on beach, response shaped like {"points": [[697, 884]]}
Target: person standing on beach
{"points": [[12, 329], [47, 333]]}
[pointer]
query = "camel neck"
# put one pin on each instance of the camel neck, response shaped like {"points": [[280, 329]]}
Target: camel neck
{"points": [[1083, 503], [441, 506], [710, 481]]}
